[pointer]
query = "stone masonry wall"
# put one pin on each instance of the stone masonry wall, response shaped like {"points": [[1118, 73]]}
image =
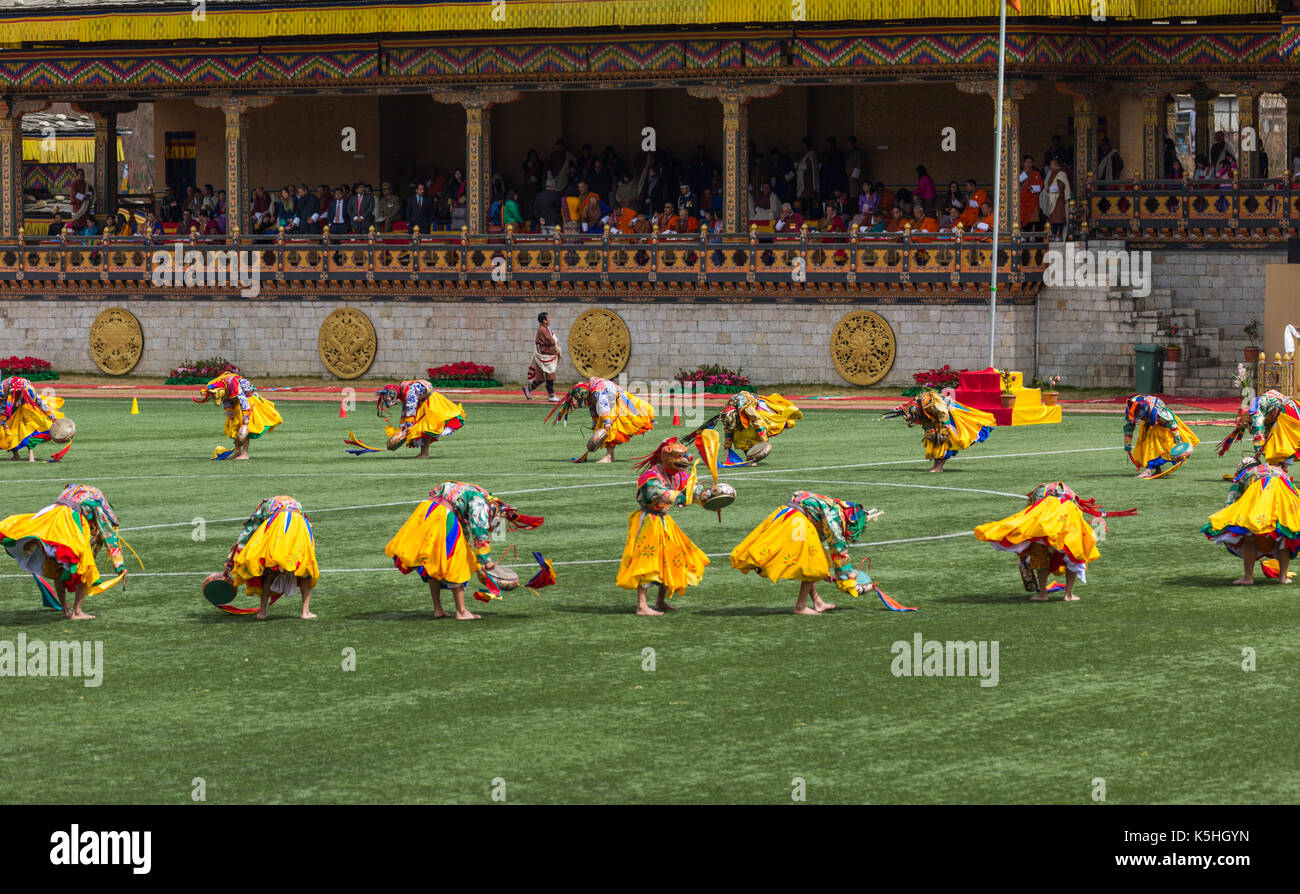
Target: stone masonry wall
{"points": [[774, 344]]}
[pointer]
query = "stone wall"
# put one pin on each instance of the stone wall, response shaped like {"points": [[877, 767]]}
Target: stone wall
{"points": [[774, 344]]}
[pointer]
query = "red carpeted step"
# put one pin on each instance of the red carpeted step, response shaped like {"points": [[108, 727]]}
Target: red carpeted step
{"points": [[982, 390]]}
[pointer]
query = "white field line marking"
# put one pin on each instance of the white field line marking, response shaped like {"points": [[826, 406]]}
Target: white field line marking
{"points": [[325, 571], [426, 475]]}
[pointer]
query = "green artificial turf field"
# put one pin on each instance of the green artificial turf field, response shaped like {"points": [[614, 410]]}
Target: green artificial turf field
{"points": [[1140, 684]]}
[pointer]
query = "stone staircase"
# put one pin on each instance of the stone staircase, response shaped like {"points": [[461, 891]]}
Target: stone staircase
{"points": [[1200, 372]]}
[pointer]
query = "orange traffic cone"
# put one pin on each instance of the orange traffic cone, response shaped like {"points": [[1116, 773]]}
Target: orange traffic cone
{"points": [[343, 410]]}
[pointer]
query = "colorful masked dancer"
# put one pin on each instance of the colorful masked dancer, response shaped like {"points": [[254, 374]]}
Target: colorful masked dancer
{"points": [[1273, 420], [616, 416], [248, 415], [26, 417], [59, 543], [1260, 520], [656, 550], [275, 555], [1163, 441], [448, 540], [750, 420], [426, 414], [949, 426], [1051, 536], [808, 540]]}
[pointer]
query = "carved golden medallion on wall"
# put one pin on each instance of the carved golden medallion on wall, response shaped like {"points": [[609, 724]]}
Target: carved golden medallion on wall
{"points": [[863, 347], [347, 343], [599, 343], [116, 341]]}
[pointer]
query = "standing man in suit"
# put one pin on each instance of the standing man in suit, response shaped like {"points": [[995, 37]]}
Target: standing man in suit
{"points": [[361, 207], [306, 211], [419, 210]]}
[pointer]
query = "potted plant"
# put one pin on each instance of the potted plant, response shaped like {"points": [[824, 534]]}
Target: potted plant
{"points": [[1008, 395], [1049, 386], [1173, 351], [1252, 332]]}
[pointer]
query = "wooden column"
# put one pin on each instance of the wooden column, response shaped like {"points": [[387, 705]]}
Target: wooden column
{"points": [[1009, 163], [11, 162], [735, 147], [11, 170], [105, 115], [1248, 149], [238, 177], [478, 149], [1085, 130], [1153, 130]]}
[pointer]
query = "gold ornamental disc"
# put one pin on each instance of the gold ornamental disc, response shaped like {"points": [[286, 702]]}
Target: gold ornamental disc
{"points": [[116, 341], [347, 343], [599, 343], [863, 347]]}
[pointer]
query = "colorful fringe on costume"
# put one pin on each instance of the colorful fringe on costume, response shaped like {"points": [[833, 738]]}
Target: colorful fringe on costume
{"points": [[435, 418], [1051, 531], [280, 551], [53, 544], [657, 551], [1268, 510], [431, 542]]}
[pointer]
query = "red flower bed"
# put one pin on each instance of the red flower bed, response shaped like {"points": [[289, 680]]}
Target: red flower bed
{"points": [[937, 379], [463, 372], [32, 368]]}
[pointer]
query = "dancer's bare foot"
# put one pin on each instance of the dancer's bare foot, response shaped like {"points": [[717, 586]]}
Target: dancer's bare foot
{"points": [[1146, 473], [1285, 579], [261, 614], [240, 456], [661, 607], [806, 610], [1244, 581], [607, 458], [1069, 597], [1039, 597], [647, 611], [31, 456], [937, 467], [424, 452], [307, 616], [467, 615], [79, 616], [822, 606]]}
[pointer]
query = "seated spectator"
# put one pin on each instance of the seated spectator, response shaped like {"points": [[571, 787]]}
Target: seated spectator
{"points": [[208, 224], [261, 217], [789, 220], [767, 206], [922, 223], [667, 221], [153, 227], [284, 209], [56, 226], [188, 224], [830, 222]]}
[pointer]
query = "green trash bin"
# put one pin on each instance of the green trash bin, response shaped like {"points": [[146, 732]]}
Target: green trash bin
{"points": [[1149, 369]]}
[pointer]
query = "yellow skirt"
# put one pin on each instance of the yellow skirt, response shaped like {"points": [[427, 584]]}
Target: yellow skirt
{"points": [[785, 546], [658, 552], [965, 427], [1153, 442], [25, 422], [262, 417], [1060, 526], [54, 544], [632, 416], [779, 415], [1283, 441], [432, 543], [284, 543], [1268, 510], [433, 417]]}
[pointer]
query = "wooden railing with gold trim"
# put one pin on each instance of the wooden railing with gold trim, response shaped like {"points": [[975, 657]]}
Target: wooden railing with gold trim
{"points": [[708, 258]]}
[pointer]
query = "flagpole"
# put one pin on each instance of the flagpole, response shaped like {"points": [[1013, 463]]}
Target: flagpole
{"points": [[997, 182]]}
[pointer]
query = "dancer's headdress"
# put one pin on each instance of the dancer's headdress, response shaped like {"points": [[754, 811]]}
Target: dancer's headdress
{"points": [[578, 396]]}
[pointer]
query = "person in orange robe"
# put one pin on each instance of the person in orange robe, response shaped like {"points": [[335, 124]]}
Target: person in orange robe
{"points": [[984, 227], [1031, 185], [922, 223], [975, 198], [896, 220]]}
